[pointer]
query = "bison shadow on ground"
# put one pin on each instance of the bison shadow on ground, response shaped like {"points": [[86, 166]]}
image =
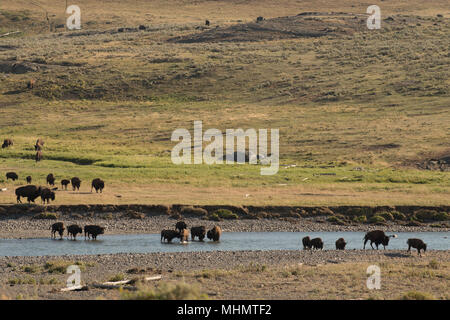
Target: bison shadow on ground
{"points": [[397, 254]]}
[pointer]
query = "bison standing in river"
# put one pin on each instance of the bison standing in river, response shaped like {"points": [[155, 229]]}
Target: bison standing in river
{"points": [[169, 235], [340, 244], [199, 232], [317, 243], [98, 184], [184, 235], [30, 192], [180, 225], [378, 237], [58, 227], [416, 244], [214, 234], [306, 241], [93, 231], [73, 230]]}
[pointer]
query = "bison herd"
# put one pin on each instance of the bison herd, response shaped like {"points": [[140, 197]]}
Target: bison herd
{"points": [[31, 192], [90, 231], [181, 232], [376, 237]]}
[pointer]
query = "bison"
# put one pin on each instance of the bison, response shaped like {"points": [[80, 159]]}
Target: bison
{"points": [[76, 183], [51, 179], [259, 19], [340, 244], [378, 237], [180, 225], [30, 192], [47, 195], [38, 156], [306, 241], [58, 227], [416, 244], [207, 23], [214, 234], [30, 83], [73, 230], [39, 145], [199, 232], [169, 235], [12, 175], [98, 184], [184, 235], [317, 243], [93, 230], [64, 183], [29, 179], [7, 143]]}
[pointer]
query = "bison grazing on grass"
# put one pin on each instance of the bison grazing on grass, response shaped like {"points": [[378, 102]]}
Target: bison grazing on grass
{"points": [[51, 179], [38, 156], [7, 143], [199, 232], [12, 175], [64, 183], [306, 241], [30, 192], [340, 244], [29, 179], [39, 145], [94, 231], [98, 184], [73, 230], [416, 244], [76, 183], [180, 225], [58, 227], [47, 195], [169, 235], [378, 237], [214, 234]]}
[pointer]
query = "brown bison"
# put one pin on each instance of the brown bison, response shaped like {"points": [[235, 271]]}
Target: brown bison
{"points": [[317, 243], [94, 231], [47, 195], [29, 179], [76, 183], [38, 156], [199, 232], [51, 179], [30, 83], [39, 145], [30, 192], [64, 183], [416, 244], [214, 234], [306, 241], [340, 244], [98, 184], [184, 235], [169, 235], [58, 227], [7, 143], [378, 237], [180, 225], [12, 175], [73, 230]]}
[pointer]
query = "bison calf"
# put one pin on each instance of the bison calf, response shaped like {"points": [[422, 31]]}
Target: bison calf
{"points": [[51, 179], [184, 235], [47, 195], [73, 230], [199, 232], [58, 227], [416, 244], [12, 175]]}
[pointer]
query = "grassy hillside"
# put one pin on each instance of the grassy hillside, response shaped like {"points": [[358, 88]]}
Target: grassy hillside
{"points": [[356, 108]]}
